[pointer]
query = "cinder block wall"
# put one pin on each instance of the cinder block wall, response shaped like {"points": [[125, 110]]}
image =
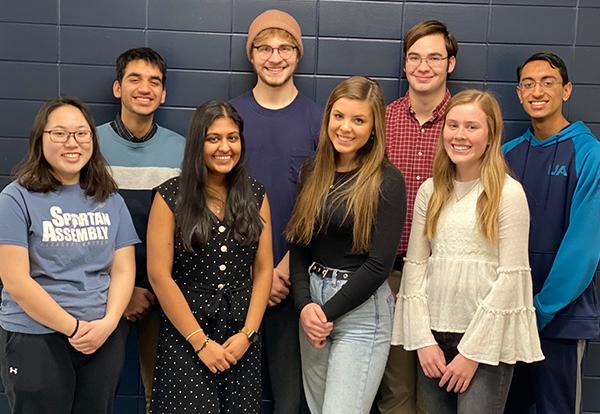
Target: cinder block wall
{"points": [[54, 47]]}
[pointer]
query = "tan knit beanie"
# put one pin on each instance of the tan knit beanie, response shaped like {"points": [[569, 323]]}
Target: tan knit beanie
{"points": [[274, 19]]}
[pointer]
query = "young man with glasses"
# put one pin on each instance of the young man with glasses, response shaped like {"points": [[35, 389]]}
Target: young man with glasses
{"points": [[141, 155], [413, 126], [558, 164], [281, 128]]}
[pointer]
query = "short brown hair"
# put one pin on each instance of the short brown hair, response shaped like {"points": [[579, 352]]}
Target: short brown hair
{"points": [[274, 31], [427, 28], [35, 173]]}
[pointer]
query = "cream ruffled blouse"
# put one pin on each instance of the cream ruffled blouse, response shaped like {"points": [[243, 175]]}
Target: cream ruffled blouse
{"points": [[461, 282]]}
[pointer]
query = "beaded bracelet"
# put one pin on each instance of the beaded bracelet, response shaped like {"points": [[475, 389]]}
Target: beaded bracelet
{"points": [[206, 341]]}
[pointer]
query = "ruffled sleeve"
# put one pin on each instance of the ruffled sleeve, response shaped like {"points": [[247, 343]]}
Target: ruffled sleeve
{"points": [[411, 320], [503, 328]]}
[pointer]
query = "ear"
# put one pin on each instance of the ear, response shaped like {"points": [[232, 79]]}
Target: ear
{"points": [[116, 89], [567, 89], [518, 91], [451, 64], [163, 96]]}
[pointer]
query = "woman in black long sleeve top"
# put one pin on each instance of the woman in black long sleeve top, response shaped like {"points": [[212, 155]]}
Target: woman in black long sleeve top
{"points": [[344, 231]]}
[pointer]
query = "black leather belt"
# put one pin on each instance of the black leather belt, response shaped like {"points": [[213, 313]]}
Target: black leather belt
{"points": [[327, 272]]}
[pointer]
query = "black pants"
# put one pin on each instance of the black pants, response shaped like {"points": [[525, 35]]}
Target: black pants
{"points": [[45, 374], [281, 356]]}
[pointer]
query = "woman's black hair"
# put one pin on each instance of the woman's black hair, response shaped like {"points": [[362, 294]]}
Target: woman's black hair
{"points": [[193, 218], [35, 173]]}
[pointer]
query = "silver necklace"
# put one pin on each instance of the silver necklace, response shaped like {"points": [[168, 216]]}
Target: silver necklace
{"points": [[333, 187], [467, 192]]}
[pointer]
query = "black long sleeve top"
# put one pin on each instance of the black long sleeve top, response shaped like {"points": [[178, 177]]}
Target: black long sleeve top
{"points": [[332, 247]]}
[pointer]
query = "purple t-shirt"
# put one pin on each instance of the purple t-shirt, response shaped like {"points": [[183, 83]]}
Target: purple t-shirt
{"points": [[277, 143]]}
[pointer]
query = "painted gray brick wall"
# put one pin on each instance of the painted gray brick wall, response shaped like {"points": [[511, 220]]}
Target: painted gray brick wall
{"points": [[52, 47]]}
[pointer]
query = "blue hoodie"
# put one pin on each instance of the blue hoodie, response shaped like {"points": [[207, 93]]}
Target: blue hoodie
{"points": [[561, 177]]}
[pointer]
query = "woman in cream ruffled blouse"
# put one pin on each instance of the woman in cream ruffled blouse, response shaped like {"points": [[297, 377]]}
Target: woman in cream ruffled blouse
{"points": [[466, 303]]}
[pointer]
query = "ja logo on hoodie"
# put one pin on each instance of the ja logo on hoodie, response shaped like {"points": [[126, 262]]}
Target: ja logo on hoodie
{"points": [[558, 170]]}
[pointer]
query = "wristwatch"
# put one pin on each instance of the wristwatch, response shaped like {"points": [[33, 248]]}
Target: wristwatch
{"points": [[250, 333]]}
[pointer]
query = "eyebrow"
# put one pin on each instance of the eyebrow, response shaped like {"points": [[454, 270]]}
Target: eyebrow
{"points": [[280, 44], [216, 134], [139, 75], [430, 54], [337, 111], [65, 128], [543, 78]]}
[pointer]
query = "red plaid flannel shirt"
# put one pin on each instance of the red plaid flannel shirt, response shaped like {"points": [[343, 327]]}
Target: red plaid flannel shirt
{"points": [[411, 147]]}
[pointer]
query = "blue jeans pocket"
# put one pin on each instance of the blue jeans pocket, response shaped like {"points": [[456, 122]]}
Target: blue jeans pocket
{"points": [[323, 289]]}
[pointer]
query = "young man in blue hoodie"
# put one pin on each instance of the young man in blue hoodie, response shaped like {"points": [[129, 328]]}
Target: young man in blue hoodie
{"points": [[558, 164]]}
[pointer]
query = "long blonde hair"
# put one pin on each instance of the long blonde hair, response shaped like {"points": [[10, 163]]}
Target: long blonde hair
{"points": [[361, 196], [493, 168]]}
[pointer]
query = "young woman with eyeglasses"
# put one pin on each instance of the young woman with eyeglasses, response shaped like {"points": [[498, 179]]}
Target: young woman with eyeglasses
{"points": [[344, 230], [465, 301], [67, 267]]}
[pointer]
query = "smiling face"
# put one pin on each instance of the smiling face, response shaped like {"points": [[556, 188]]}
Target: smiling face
{"points": [[424, 77], [349, 128], [66, 159], [274, 71], [466, 136], [141, 90], [543, 103], [222, 146]]}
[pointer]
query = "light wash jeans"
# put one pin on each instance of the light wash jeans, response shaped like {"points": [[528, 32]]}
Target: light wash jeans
{"points": [[343, 377]]}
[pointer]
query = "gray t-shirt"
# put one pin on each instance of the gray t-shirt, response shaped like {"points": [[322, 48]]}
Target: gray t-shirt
{"points": [[71, 239]]}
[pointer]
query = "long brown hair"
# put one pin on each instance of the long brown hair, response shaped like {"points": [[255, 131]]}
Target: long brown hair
{"points": [[493, 168], [35, 174], [361, 196]]}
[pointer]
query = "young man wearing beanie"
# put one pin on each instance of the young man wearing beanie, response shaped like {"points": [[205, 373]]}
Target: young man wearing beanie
{"points": [[413, 126], [281, 128]]}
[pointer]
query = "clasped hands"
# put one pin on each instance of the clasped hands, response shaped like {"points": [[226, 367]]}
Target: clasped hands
{"points": [[456, 375], [315, 325], [219, 358], [91, 335], [280, 287]]}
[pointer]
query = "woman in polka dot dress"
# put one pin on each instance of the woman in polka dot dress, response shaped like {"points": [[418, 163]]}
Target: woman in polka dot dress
{"points": [[210, 264]]}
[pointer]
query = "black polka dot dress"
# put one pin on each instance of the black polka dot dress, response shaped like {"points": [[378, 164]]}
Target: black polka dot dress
{"points": [[216, 283]]}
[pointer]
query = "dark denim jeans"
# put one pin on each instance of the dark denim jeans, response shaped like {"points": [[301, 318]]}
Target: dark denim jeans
{"points": [[486, 394]]}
